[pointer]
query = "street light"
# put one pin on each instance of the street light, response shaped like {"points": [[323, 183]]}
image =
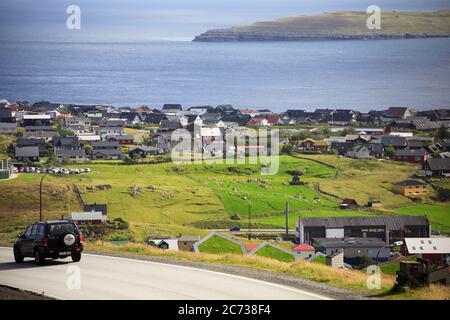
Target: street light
{"points": [[40, 197], [395, 244]]}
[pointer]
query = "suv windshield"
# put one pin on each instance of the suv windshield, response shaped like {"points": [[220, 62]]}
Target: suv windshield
{"points": [[61, 228]]}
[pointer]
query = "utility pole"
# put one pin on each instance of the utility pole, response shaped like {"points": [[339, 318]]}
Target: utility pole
{"points": [[40, 197], [287, 220], [249, 220]]}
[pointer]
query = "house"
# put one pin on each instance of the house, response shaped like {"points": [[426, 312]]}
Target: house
{"points": [[358, 152], [118, 123], [342, 147], [387, 228], [143, 151], [106, 150], [47, 136], [370, 131], [40, 143], [187, 120], [335, 259], [309, 144], [27, 154], [186, 243], [436, 250], [77, 121], [70, 155], [303, 251], [396, 113], [103, 208], [394, 141], [411, 155], [7, 115], [201, 110], [6, 168], [410, 188], [8, 128], [376, 149], [131, 118], [66, 143], [354, 248], [39, 128], [105, 131], [172, 108], [37, 120], [88, 218], [437, 167], [341, 117], [349, 204], [154, 118], [123, 139]]}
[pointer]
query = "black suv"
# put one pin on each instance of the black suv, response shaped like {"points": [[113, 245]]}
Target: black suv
{"points": [[49, 239]]}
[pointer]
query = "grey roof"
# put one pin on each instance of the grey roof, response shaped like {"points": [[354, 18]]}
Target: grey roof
{"points": [[30, 142], [437, 164], [7, 125], [120, 136], [410, 183], [70, 153], [97, 144], [40, 128], [108, 152], [170, 125], [392, 222], [169, 106], [143, 148], [27, 152], [39, 135], [410, 152], [393, 141]]}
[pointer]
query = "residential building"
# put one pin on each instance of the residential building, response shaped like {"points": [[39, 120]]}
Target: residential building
{"points": [[123, 139], [387, 228], [309, 144], [359, 152], [394, 113], [39, 128], [410, 188], [8, 128], [106, 150], [411, 155], [335, 259], [348, 204], [46, 136], [27, 154], [103, 208], [436, 250], [66, 143], [437, 167], [143, 151], [172, 108], [394, 141], [72, 155]]}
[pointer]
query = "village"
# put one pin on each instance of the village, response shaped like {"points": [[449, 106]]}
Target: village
{"points": [[67, 139]]}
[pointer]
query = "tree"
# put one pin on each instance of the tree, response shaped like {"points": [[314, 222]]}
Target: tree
{"points": [[443, 133], [287, 149], [389, 151]]}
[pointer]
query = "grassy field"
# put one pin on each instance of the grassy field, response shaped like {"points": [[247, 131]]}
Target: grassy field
{"points": [[172, 199], [274, 253], [219, 245]]}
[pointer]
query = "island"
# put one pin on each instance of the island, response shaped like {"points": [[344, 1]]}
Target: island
{"points": [[349, 25]]}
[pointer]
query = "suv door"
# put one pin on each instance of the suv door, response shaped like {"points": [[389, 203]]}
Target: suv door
{"points": [[26, 243]]}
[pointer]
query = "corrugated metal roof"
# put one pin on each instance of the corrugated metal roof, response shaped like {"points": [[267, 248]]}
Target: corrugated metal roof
{"points": [[428, 245], [392, 222]]}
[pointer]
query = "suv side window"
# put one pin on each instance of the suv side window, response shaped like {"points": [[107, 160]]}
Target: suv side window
{"points": [[40, 231], [28, 231], [34, 230]]}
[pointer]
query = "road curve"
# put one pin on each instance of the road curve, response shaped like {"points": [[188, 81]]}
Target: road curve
{"points": [[104, 277]]}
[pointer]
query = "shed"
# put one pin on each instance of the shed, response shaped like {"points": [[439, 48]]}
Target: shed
{"points": [[335, 260]]}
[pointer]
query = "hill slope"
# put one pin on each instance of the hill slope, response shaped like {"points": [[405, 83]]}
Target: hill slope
{"points": [[337, 26]]}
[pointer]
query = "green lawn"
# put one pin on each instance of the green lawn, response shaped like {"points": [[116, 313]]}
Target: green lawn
{"points": [[219, 245], [274, 253], [391, 268], [438, 214]]}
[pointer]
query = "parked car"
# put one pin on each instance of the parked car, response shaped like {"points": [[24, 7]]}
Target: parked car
{"points": [[49, 239], [235, 228]]}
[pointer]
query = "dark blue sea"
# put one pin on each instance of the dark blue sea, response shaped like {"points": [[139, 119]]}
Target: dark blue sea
{"points": [[350, 74]]}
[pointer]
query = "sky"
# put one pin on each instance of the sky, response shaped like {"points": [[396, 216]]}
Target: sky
{"points": [[147, 20]]}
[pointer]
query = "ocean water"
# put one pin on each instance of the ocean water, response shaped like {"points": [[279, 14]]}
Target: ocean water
{"points": [[278, 75]]}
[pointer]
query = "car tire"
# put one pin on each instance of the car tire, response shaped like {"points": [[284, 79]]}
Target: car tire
{"points": [[39, 257], [18, 257], [76, 257]]}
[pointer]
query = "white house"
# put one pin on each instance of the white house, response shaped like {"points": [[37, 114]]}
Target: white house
{"points": [[91, 217]]}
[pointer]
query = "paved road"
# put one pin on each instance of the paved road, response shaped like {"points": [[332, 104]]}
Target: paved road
{"points": [[105, 277]]}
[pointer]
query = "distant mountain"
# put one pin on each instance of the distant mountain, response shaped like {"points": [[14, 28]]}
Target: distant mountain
{"points": [[337, 26]]}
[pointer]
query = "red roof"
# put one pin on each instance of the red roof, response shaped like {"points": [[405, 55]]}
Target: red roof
{"points": [[303, 247], [250, 246]]}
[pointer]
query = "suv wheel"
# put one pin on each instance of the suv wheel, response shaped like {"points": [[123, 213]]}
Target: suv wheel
{"points": [[76, 257], [18, 257], [40, 259]]}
